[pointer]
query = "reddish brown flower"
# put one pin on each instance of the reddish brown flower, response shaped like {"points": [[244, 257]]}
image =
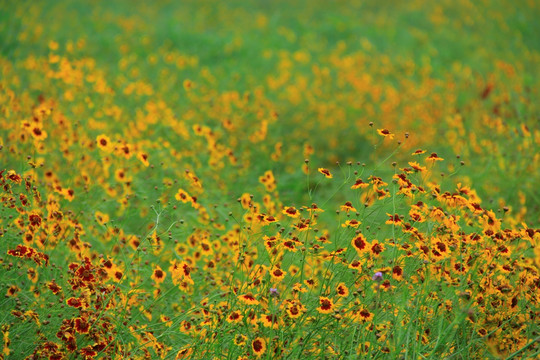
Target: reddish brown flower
{"points": [[74, 302], [81, 325]]}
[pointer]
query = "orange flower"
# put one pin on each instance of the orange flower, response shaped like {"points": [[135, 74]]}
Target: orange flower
{"points": [[291, 211], [234, 317], [38, 133], [184, 353], [433, 157], [81, 326], [101, 218], [355, 264], [248, 299], [439, 249], [295, 310], [416, 166], [182, 196], [376, 248], [68, 194], [347, 207], [325, 172], [268, 181], [270, 321], [277, 274], [158, 275], [258, 345], [360, 244], [12, 290], [342, 290], [385, 133], [397, 272], [327, 305], [351, 223], [143, 157], [314, 208], [104, 143], [74, 302], [458, 268], [240, 340], [188, 84], [359, 184], [364, 315], [393, 219]]}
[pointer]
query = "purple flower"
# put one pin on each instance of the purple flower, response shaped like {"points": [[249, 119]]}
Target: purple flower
{"points": [[378, 276], [273, 292]]}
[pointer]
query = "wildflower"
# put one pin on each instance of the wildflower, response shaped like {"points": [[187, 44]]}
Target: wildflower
{"points": [[35, 220], [258, 345], [385, 133], [69, 194], [297, 287], [351, 223], [81, 325], [13, 176], [234, 317], [248, 299], [416, 166], [12, 290], [54, 287], [355, 264], [325, 172], [359, 184], [143, 157], [364, 315], [277, 274], [397, 272], [314, 208], [270, 321], [378, 276], [101, 218], [458, 267], [158, 275], [433, 157], [88, 352], [376, 248], [240, 340], [38, 133], [274, 292], [327, 305], [393, 219], [347, 207], [188, 84], [342, 290], [104, 143], [291, 211], [268, 181], [184, 353], [74, 302], [182, 196], [360, 244]]}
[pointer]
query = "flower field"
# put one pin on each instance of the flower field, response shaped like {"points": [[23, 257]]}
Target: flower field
{"points": [[269, 180]]}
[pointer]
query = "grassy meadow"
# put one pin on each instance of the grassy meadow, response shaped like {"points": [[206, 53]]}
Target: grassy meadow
{"points": [[269, 179]]}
